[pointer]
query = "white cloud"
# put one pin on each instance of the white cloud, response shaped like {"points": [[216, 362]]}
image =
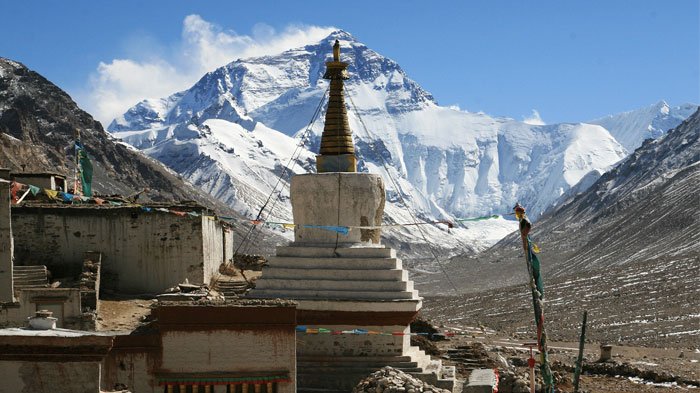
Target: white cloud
{"points": [[534, 119], [118, 84]]}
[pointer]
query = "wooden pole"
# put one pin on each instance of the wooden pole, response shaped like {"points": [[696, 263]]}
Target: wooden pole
{"points": [[537, 297], [579, 360]]}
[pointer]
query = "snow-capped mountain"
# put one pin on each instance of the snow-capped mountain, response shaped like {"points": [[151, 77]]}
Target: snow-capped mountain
{"points": [[642, 212], [633, 127], [234, 131]]}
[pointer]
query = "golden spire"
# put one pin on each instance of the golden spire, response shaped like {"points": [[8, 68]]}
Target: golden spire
{"points": [[337, 153]]}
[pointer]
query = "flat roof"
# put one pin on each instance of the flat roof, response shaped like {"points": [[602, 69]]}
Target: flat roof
{"points": [[57, 332], [36, 174], [31, 204]]}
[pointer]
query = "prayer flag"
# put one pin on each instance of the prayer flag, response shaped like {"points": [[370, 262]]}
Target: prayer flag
{"points": [[52, 194], [339, 229], [85, 166]]}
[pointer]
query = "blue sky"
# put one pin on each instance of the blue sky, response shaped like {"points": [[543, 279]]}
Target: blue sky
{"points": [[569, 60]]}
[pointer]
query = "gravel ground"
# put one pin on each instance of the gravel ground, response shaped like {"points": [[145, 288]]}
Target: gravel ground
{"points": [[653, 304]]}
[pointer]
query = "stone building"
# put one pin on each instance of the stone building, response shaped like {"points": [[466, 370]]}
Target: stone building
{"points": [[47, 180], [46, 359], [142, 252], [189, 347]]}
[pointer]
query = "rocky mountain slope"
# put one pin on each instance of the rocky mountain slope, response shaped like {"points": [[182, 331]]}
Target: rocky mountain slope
{"points": [[232, 133], [38, 124], [39, 121]]}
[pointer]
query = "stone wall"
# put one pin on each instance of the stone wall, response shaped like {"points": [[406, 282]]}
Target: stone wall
{"points": [[141, 252], [226, 350], [56, 361], [132, 363], [63, 302], [249, 341], [365, 345], [217, 247], [49, 377]]}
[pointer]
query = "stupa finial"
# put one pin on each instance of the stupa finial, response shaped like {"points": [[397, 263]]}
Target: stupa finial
{"points": [[337, 153], [336, 51]]}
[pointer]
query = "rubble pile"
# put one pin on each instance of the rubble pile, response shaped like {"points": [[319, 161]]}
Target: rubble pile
{"points": [[391, 380], [185, 291], [518, 381], [512, 382], [249, 262]]}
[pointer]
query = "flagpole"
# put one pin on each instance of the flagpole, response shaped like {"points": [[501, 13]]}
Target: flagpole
{"points": [[537, 289]]}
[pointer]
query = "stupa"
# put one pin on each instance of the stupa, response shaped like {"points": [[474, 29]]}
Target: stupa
{"points": [[355, 301]]}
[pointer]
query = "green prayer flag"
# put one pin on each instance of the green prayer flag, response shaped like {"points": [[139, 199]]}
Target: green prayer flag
{"points": [[85, 172], [535, 262], [34, 189]]}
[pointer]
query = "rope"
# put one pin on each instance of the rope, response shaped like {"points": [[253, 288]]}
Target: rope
{"points": [[290, 164], [400, 192], [337, 235]]}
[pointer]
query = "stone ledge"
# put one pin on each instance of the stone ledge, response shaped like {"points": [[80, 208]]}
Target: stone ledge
{"points": [[336, 285], [302, 294], [326, 251], [332, 274], [335, 263]]}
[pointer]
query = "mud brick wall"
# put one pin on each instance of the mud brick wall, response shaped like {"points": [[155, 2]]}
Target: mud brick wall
{"points": [[141, 252]]}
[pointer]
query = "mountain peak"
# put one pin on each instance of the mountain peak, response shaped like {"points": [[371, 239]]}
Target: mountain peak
{"points": [[8, 63], [631, 128], [662, 106], [340, 35]]}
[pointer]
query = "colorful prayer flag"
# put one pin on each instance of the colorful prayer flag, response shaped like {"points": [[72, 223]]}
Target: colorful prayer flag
{"points": [[52, 194], [338, 229]]}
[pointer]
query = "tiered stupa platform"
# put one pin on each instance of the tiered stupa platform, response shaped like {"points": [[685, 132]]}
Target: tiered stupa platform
{"points": [[355, 300]]}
